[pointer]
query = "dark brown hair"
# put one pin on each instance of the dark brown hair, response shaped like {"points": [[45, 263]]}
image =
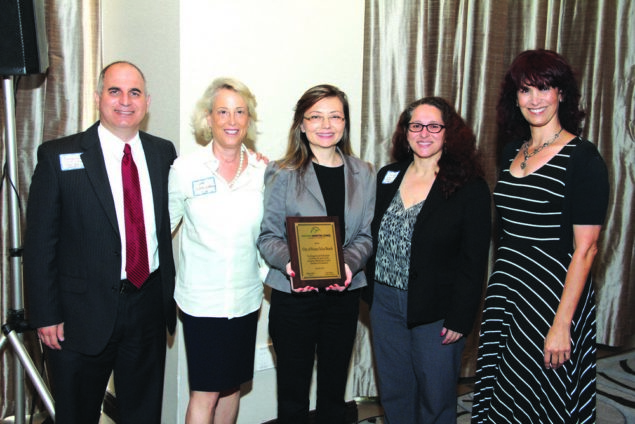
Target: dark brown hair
{"points": [[537, 68], [298, 153], [460, 160]]}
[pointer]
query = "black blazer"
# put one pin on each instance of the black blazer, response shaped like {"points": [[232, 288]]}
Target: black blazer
{"points": [[72, 255], [450, 248]]}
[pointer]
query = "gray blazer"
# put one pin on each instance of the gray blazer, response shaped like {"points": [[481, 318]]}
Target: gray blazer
{"points": [[289, 194]]}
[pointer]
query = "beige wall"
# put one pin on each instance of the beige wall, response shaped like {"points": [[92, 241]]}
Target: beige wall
{"points": [[279, 48], [147, 33]]}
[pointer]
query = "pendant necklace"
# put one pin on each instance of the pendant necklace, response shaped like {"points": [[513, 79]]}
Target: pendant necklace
{"points": [[526, 153]]}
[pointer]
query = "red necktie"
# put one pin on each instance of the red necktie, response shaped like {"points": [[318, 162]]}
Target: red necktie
{"points": [[137, 267]]}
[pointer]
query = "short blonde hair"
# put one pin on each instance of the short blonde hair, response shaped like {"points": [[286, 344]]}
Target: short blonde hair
{"points": [[202, 130]]}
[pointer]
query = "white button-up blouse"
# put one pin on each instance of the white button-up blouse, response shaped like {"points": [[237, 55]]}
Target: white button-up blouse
{"points": [[219, 268]]}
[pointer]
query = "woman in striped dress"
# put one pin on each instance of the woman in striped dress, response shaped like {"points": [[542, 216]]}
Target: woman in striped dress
{"points": [[536, 360]]}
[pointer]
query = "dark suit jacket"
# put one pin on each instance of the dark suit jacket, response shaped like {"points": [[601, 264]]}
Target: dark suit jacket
{"points": [[450, 247], [72, 255]]}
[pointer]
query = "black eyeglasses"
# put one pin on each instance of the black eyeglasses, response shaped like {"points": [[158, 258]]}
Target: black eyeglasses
{"points": [[432, 128]]}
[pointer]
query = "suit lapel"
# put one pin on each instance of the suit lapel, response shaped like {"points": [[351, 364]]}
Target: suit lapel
{"points": [[434, 199], [312, 184], [153, 160], [350, 185], [386, 191], [93, 160]]}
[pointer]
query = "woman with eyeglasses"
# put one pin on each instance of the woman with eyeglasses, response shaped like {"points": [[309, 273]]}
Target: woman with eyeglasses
{"points": [[431, 234], [318, 176]]}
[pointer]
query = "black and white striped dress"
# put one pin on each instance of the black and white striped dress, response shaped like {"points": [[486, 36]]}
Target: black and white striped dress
{"points": [[522, 297]]}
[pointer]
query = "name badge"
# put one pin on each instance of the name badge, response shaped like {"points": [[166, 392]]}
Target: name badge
{"points": [[390, 177], [71, 161], [204, 186]]}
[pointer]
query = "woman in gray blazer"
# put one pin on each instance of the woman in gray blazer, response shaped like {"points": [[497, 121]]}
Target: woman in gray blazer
{"points": [[318, 176]]}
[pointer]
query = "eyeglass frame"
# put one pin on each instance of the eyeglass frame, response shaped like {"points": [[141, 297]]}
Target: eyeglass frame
{"points": [[333, 119], [426, 126]]}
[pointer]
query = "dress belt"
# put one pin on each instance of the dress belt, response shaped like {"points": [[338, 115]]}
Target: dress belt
{"points": [[127, 287]]}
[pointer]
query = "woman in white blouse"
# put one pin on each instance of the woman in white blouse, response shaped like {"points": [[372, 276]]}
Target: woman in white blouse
{"points": [[216, 194]]}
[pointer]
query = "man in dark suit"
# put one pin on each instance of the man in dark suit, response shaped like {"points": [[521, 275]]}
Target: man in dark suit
{"points": [[98, 266]]}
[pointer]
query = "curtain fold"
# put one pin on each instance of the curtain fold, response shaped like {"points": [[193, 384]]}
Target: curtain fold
{"points": [[459, 50], [48, 106]]}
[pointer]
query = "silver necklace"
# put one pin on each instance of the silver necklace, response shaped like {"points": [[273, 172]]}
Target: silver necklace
{"points": [[526, 153], [240, 167]]}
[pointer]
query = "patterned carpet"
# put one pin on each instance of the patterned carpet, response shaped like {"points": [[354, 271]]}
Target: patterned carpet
{"points": [[615, 388]]}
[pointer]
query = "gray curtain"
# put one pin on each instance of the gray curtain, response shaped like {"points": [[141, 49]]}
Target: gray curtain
{"points": [[460, 49], [47, 106]]}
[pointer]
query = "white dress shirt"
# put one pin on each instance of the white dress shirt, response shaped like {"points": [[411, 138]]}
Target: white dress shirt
{"points": [[112, 148], [219, 269]]}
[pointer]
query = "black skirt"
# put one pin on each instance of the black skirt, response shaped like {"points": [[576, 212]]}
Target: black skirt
{"points": [[220, 351]]}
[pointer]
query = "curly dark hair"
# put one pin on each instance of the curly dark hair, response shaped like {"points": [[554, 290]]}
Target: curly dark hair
{"points": [[537, 68], [460, 160]]}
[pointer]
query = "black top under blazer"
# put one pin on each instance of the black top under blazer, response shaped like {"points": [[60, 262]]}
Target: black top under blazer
{"points": [[449, 255], [72, 256]]}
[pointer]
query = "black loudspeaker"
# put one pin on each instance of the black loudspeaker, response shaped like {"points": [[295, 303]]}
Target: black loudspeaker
{"points": [[23, 46]]}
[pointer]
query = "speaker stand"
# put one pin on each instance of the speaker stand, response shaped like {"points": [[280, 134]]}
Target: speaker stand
{"points": [[16, 320], [10, 332]]}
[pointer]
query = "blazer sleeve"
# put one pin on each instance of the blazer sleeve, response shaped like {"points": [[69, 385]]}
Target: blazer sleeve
{"points": [[473, 259], [272, 241], [42, 234], [360, 246]]}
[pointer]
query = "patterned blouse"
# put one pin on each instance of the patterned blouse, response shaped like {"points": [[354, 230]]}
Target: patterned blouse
{"points": [[393, 245]]}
